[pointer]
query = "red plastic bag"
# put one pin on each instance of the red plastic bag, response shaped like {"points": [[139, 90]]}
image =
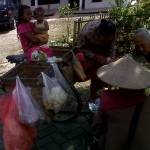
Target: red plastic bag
{"points": [[4, 104], [16, 135]]}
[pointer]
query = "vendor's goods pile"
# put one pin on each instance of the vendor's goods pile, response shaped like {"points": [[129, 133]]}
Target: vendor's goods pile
{"points": [[19, 112]]}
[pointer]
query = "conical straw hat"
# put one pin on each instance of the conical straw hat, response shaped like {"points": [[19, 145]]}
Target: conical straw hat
{"points": [[125, 73]]}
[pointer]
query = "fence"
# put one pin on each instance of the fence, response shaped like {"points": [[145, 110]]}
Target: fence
{"points": [[125, 29], [79, 23]]}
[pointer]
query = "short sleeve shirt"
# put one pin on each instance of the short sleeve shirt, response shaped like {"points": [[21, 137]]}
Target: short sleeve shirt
{"points": [[22, 29]]}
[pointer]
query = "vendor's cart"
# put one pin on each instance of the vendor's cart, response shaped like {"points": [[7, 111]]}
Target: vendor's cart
{"points": [[30, 75]]}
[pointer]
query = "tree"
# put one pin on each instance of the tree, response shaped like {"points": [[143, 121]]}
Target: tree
{"points": [[123, 3], [128, 19], [67, 12]]}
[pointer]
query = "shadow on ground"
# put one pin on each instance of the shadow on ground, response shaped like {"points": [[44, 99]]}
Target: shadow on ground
{"points": [[4, 30]]}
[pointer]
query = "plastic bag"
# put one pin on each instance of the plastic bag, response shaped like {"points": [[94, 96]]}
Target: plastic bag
{"points": [[44, 53], [94, 106], [70, 104], [29, 111], [16, 136], [54, 95], [38, 55], [78, 68]]}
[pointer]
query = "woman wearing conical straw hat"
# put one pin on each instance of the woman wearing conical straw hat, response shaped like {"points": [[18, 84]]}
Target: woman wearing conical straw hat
{"points": [[125, 111]]}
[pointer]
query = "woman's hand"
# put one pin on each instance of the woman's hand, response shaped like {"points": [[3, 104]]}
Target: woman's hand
{"points": [[32, 38], [109, 60], [99, 58]]}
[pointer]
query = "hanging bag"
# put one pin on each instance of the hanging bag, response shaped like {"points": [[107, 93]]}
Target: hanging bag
{"points": [[54, 96], [29, 110]]}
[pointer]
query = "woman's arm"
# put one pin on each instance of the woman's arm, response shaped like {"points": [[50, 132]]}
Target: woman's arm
{"points": [[36, 31], [99, 58], [31, 37]]}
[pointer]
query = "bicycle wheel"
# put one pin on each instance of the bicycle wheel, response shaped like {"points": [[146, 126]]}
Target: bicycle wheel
{"points": [[72, 107]]}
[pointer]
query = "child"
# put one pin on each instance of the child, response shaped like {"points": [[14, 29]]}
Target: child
{"points": [[25, 29], [41, 25]]}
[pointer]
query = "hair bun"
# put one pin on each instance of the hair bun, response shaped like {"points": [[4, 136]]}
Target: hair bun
{"points": [[106, 27]]}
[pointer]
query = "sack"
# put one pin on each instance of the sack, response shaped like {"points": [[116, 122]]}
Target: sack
{"points": [[16, 136], [78, 68], [29, 110], [54, 95]]}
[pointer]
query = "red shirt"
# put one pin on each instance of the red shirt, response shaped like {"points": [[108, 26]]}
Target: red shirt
{"points": [[122, 98]]}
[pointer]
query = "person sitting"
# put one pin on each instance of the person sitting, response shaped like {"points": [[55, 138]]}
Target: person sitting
{"points": [[142, 45], [30, 43], [41, 25], [96, 48], [124, 110]]}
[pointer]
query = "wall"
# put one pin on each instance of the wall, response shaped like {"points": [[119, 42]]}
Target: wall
{"points": [[99, 5], [26, 2], [46, 7]]}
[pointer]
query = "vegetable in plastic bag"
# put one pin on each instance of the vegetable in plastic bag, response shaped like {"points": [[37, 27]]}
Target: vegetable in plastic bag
{"points": [[38, 55], [54, 95]]}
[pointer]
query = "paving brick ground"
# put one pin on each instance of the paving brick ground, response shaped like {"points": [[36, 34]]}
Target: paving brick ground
{"points": [[73, 135]]}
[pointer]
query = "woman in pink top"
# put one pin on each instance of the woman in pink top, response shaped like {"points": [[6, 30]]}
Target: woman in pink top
{"points": [[25, 30]]}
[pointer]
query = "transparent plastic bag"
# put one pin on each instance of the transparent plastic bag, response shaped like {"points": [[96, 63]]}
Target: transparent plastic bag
{"points": [[54, 96], [70, 106], [29, 110], [78, 68], [60, 78], [94, 106]]}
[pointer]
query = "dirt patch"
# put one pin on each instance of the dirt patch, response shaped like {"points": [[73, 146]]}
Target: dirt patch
{"points": [[58, 28]]}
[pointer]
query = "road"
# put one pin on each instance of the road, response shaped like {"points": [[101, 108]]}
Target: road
{"points": [[9, 43]]}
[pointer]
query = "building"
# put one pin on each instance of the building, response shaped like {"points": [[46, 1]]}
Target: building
{"points": [[96, 4], [50, 5]]}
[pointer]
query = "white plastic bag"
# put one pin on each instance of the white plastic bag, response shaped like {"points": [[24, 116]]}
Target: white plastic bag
{"points": [[54, 96], [29, 110], [70, 103]]}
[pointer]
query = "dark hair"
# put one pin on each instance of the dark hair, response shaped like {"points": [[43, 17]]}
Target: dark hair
{"points": [[106, 27], [39, 9], [21, 13]]}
